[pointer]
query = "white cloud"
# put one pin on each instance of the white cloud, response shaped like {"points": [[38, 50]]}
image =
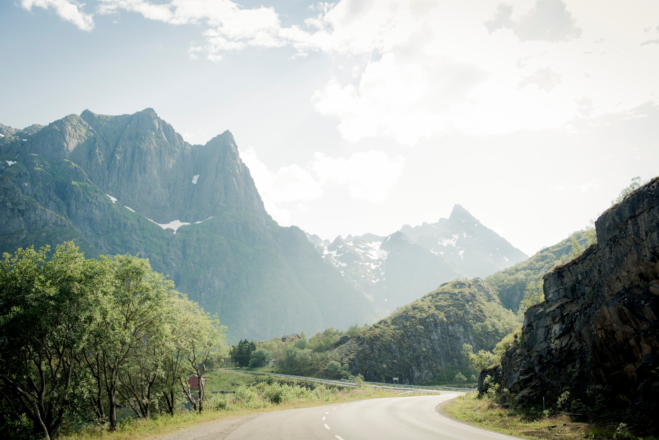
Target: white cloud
{"points": [[545, 79], [288, 184], [423, 68], [548, 20], [367, 175], [67, 10]]}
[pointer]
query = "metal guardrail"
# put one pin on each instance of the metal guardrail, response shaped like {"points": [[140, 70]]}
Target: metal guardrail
{"points": [[351, 383]]}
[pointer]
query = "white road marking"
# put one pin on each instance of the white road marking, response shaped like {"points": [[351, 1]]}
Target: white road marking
{"points": [[338, 437], [323, 417], [333, 409], [327, 413], [326, 426]]}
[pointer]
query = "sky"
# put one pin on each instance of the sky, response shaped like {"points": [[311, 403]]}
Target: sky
{"points": [[361, 115]]}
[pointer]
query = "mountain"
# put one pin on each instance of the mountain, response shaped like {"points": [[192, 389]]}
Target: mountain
{"points": [[391, 271], [131, 184], [465, 242], [424, 339], [397, 269], [511, 283], [596, 334]]}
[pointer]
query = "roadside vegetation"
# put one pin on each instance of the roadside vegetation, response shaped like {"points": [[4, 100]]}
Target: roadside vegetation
{"points": [[87, 342], [233, 394], [532, 423]]}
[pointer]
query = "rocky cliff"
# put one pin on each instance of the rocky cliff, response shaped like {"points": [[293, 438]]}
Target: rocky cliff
{"points": [[131, 184], [596, 335], [424, 340]]}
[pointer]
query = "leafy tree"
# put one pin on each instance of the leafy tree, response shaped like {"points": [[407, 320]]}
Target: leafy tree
{"points": [[259, 358], [633, 186], [503, 345], [46, 309], [577, 249], [532, 295], [460, 378], [203, 338], [334, 368], [302, 342], [242, 352], [478, 361]]}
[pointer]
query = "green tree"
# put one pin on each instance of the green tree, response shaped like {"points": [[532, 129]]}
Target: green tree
{"points": [[577, 249], [460, 378], [302, 342], [46, 310], [532, 295], [203, 339], [334, 369], [633, 186], [478, 361], [259, 358], [242, 352]]}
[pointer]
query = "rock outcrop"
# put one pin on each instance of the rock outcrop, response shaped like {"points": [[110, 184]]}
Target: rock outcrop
{"points": [[596, 334]]}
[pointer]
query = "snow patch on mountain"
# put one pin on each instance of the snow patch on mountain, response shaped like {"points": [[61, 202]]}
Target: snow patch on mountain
{"points": [[175, 224], [10, 162], [112, 198], [130, 209], [194, 179]]}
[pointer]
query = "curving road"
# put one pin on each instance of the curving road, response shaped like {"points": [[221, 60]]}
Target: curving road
{"points": [[408, 418]]}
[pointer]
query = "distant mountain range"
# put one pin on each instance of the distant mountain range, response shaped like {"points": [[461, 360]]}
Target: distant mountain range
{"points": [[131, 184], [395, 270]]}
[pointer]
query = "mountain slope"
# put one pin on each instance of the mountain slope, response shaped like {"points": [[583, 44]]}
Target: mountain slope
{"points": [[391, 271], [511, 283], [130, 184], [424, 339]]}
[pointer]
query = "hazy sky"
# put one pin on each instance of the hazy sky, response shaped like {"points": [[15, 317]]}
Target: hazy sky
{"points": [[363, 115]]}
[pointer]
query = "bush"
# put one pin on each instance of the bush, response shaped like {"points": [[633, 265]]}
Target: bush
{"points": [[334, 369], [460, 378]]}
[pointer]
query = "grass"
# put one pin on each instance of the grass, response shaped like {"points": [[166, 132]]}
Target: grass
{"points": [[487, 414], [251, 395]]}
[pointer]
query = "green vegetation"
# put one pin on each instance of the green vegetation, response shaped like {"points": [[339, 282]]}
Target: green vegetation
{"points": [[82, 337], [533, 423], [511, 284], [248, 394], [635, 184], [423, 336], [241, 353]]}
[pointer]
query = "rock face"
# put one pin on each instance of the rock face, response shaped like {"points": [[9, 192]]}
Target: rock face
{"points": [[597, 333], [131, 184], [424, 339]]}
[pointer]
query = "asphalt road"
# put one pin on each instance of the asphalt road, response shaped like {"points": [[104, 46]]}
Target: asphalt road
{"points": [[408, 418]]}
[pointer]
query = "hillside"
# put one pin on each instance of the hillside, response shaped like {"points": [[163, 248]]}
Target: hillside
{"points": [[131, 184], [423, 340], [510, 283]]}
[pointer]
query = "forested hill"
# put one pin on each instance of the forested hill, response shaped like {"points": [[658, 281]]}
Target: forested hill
{"points": [[131, 184], [424, 341]]}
